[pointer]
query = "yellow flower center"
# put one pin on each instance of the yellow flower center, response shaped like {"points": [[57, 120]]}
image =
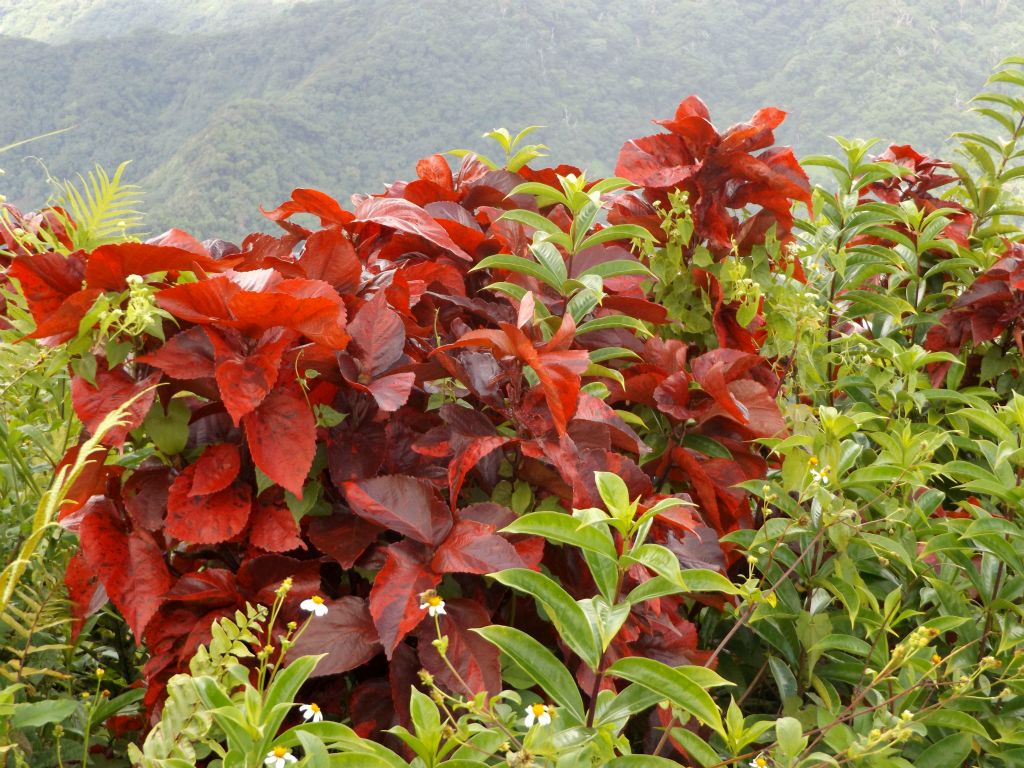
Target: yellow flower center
{"points": [[936, 659], [813, 461], [538, 709], [760, 762], [434, 601], [314, 708], [317, 599], [280, 751]]}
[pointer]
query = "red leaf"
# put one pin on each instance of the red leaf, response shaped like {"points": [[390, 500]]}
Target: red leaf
{"points": [[475, 659], [314, 202], [474, 547], [63, 324], [273, 526], [199, 302], [281, 434], [378, 335], [216, 469], [347, 634], [391, 392], [177, 238], [130, 565], [90, 481], [343, 537], [109, 265], [47, 280], [244, 380], [467, 458], [408, 505], [403, 216], [394, 598], [113, 389], [310, 307], [436, 169], [330, 256], [186, 355], [207, 519]]}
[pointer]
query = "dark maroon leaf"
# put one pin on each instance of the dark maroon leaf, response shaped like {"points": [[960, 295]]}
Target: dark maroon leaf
{"points": [[404, 504], [474, 547], [346, 634]]}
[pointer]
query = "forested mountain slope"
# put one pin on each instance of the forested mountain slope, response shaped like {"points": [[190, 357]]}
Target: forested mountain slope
{"points": [[223, 106]]}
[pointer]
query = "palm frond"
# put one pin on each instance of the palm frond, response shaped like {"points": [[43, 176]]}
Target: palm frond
{"points": [[101, 207]]}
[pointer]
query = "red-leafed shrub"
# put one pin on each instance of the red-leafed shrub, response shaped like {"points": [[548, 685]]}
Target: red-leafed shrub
{"points": [[349, 405]]}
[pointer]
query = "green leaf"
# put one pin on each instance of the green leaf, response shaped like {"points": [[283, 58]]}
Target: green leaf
{"points": [[641, 761], [617, 232], [616, 268], [950, 752], [790, 735], [613, 321], [958, 721], [706, 445], [565, 529], [37, 713], [614, 492], [314, 749], [521, 266], [168, 429], [565, 614], [676, 684], [540, 665]]}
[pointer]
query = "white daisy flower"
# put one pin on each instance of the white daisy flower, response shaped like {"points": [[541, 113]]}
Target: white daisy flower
{"points": [[314, 605], [432, 603], [540, 714], [759, 762], [311, 712], [279, 757]]}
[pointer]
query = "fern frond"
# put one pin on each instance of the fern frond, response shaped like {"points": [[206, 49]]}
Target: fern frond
{"points": [[101, 207]]}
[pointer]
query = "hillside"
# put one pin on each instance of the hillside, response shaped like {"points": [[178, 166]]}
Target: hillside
{"points": [[222, 110]]}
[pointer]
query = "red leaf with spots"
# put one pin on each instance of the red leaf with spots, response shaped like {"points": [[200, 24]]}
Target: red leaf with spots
{"points": [[85, 592], [273, 525], [394, 598], [129, 564], [216, 469], [113, 389], [347, 633], [47, 280], [281, 434], [207, 519]]}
